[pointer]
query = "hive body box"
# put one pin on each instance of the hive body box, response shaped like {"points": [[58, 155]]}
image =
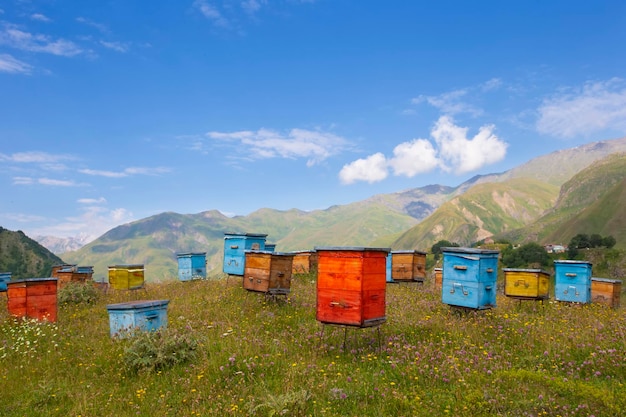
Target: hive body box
{"points": [[388, 268], [270, 247], [469, 277], [235, 245], [34, 298], [5, 277], [606, 291], [408, 265], [268, 272], [145, 315], [126, 277], [72, 273], [351, 285], [304, 262], [438, 273], [191, 265], [530, 284], [572, 281]]}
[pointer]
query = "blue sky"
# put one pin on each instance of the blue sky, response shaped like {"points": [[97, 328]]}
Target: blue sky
{"points": [[116, 110]]}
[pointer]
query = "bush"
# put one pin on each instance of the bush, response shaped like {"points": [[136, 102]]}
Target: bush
{"points": [[78, 293], [158, 350]]}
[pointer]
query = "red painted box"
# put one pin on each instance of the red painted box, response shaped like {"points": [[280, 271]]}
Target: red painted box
{"points": [[351, 285], [34, 298]]}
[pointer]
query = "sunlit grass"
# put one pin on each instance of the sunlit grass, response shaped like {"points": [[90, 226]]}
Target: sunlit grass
{"points": [[257, 355]]}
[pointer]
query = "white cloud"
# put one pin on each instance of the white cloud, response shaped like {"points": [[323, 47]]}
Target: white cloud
{"points": [[40, 17], [584, 111], [462, 154], [102, 28], [23, 181], [57, 183], [211, 12], [251, 6], [116, 46], [414, 157], [297, 143], [16, 38], [13, 65], [126, 172], [36, 157], [454, 152], [100, 200], [371, 169], [450, 103]]}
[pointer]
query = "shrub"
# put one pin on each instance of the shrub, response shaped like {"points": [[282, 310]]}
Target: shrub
{"points": [[78, 293], [158, 350]]}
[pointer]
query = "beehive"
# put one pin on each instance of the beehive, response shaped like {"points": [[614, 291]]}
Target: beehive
{"points": [[5, 277], [191, 265], [388, 268], [72, 273], [35, 298], [56, 268], [143, 315], [438, 275], [408, 265], [351, 285], [532, 284], [235, 245], [606, 291], [126, 277], [304, 262], [469, 277], [572, 281], [270, 247], [268, 272]]}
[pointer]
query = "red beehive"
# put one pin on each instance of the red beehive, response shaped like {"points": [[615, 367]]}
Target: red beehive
{"points": [[34, 298], [351, 285]]}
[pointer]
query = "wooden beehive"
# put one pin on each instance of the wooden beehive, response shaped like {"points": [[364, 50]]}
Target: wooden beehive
{"points": [[34, 298], [351, 285], [268, 272], [144, 315], [235, 246], [606, 291], [408, 266], [56, 268], [530, 284], [438, 275], [572, 281], [469, 277], [304, 262], [126, 277], [191, 265], [72, 273], [5, 277]]}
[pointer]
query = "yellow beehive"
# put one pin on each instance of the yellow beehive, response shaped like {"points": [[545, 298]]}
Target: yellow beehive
{"points": [[532, 284], [126, 277]]}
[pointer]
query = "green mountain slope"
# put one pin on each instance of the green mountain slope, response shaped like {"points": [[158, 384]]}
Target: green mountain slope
{"points": [[482, 211], [24, 257]]}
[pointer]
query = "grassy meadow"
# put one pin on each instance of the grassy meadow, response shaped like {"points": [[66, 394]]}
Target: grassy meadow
{"points": [[237, 353]]}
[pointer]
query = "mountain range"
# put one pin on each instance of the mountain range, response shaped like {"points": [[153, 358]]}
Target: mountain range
{"points": [[548, 199]]}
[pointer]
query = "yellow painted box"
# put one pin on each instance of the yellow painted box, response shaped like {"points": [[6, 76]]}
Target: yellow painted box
{"points": [[532, 284], [606, 291], [126, 277]]}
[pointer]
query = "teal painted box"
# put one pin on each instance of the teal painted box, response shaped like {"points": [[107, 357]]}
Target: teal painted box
{"points": [[4, 278], [388, 268], [235, 245], [191, 265], [469, 277], [144, 315], [572, 281]]}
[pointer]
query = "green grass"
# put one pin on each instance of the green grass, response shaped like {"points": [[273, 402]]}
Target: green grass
{"points": [[257, 356]]}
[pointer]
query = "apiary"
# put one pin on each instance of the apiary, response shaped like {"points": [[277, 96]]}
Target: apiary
{"points": [[438, 275], [5, 277], [35, 298], [530, 284], [142, 315], [351, 285], [304, 262], [126, 277], [268, 272], [469, 277], [606, 291], [572, 281], [235, 245], [191, 265], [408, 265]]}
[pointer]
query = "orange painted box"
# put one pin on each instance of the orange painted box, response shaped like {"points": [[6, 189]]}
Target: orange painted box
{"points": [[351, 285], [34, 298], [408, 265], [438, 273], [268, 272], [606, 291], [304, 262]]}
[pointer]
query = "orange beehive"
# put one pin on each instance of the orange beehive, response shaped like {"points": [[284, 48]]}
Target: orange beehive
{"points": [[268, 272], [408, 265], [304, 262], [606, 291], [34, 298], [438, 272], [351, 285]]}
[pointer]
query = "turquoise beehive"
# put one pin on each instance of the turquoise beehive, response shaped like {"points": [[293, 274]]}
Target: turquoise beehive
{"points": [[235, 245], [140, 315], [4, 278], [191, 265], [572, 281], [469, 277]]}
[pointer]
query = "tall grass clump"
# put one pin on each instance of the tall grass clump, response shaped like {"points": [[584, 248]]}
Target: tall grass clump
{"points": [[78, 293]]}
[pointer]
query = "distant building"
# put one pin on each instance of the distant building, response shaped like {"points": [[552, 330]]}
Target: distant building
{"points": [[555, 248]]}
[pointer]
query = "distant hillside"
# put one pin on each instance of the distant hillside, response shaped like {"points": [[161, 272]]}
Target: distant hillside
{"points": [[590, 202], [24, 257], [482, 211]]}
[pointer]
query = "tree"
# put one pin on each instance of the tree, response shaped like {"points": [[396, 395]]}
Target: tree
{"points": [[436, 248], [608, 241], [529, 255]]}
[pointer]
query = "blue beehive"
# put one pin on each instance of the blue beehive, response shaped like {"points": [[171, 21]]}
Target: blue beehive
{"points": [[191, 265], [270, 247], [388, 268], [235, 245], [469, 277], [145, 315], [572, 281], [4, 278]]}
